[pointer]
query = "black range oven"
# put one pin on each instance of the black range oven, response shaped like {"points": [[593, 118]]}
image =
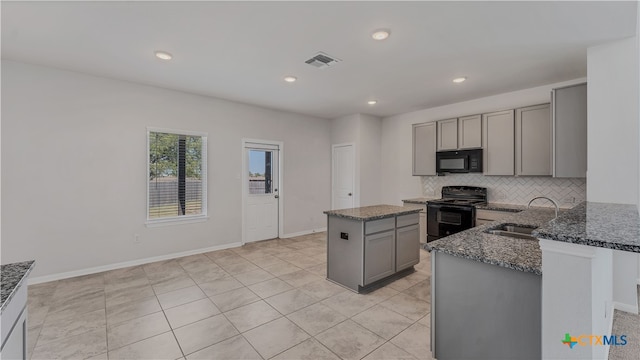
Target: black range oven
{"points": [[455, 211]]}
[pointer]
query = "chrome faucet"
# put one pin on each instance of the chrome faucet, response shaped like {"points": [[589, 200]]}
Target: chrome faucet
{"points": [[544, 197]]}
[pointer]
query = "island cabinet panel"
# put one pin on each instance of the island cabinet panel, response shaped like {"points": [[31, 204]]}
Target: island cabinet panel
{"points": [[424, 149], [498, 139], [379, 256], [483, 311], [408, 249], [14, 318], [15, 347], [345, 256]]}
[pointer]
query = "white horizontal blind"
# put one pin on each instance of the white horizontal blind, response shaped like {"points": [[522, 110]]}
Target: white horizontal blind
{"points": [[177, 174]]}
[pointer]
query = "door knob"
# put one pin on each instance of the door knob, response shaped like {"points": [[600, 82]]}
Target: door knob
{"points": [[277, 196], [349, 194]]}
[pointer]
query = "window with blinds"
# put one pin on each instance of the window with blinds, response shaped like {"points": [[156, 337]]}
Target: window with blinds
{"points": [[177, 184]]}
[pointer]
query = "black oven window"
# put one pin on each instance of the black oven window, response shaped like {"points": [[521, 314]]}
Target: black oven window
{"points": [[453, 218]]}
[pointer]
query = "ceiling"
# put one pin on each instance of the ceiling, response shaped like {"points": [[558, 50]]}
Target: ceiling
{"points": [[242, 50]]}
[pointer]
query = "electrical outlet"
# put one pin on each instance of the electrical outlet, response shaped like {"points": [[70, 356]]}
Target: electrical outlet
{"points": [[136, 238]]}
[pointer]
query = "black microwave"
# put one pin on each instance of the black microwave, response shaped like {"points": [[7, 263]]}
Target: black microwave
{"points": [[459, 161]]}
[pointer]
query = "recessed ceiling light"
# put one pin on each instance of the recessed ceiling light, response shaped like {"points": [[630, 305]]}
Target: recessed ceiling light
{"points": [[372, 102], [459, 80], [290, 79], [163, 55], [381, 34]]}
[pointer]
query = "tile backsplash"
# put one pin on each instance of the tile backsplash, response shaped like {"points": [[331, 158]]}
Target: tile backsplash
{"points": [[514, 190]]}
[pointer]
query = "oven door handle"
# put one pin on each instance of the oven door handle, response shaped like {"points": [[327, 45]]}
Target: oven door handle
{"points": [[465, 208]]}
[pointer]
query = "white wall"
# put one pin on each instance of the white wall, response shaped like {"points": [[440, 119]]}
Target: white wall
{"points": [[612, 132], [613, 118], [638, 99], [345, 130], [370, 166], [74, 168], [365, 131], [397, 182]]}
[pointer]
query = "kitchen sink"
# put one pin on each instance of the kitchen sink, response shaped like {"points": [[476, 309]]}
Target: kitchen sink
{"points": [[514, 231]]}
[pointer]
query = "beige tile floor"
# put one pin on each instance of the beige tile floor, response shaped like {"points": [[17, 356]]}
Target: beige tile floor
{"points": [[266, 300]]}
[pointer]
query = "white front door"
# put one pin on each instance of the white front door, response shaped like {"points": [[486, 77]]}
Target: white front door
{"points": [[261, 189], [343, 176]]}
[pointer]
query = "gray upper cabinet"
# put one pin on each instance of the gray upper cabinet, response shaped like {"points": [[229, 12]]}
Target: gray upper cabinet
{"points": [[470, 132], [424, 149], [447, 134], [533, 140], [569, 113], [498, 139]]}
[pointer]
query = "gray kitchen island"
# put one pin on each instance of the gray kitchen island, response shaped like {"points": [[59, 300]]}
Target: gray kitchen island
{"points": [[486, 292], [370, 245], [13, 314]]}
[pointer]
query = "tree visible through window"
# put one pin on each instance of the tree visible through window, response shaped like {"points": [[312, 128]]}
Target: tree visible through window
{"points": [[177, 175]]}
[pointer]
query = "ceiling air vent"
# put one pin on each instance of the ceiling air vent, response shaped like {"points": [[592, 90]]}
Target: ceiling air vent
{"points": [[322, 60]]}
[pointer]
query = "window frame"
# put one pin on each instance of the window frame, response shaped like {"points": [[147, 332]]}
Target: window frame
{"points": [[180, 219]]}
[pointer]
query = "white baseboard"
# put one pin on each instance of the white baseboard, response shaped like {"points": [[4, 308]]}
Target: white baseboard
{"points": [[625, 307], [97, 269], [301, 233], [610, 332]]}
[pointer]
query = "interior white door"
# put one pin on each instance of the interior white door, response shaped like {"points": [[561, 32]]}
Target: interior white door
{"points": [[343, 177], [262, 200]]}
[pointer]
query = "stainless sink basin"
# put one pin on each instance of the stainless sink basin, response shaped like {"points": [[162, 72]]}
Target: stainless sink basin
{"points": [[514, 231]]}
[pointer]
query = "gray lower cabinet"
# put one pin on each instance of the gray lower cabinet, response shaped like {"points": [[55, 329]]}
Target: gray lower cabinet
{"points": [[408, 249], [15, 346], [362, 252], [14, 326], [497, 311], [379, 256]]}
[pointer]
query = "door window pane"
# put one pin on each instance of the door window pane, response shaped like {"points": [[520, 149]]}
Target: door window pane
{"points": [[260, 172]]}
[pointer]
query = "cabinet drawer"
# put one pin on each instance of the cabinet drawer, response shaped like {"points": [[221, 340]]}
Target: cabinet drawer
{"points": [[482, 222], [490, 215], [409, 219], [375, 226]]}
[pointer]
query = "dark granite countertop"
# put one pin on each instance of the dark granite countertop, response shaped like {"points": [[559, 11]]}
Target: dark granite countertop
{"points": [[421, 200], [502, 207], [11, 277], [517, 254], [611, 226], [374, 212]]}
